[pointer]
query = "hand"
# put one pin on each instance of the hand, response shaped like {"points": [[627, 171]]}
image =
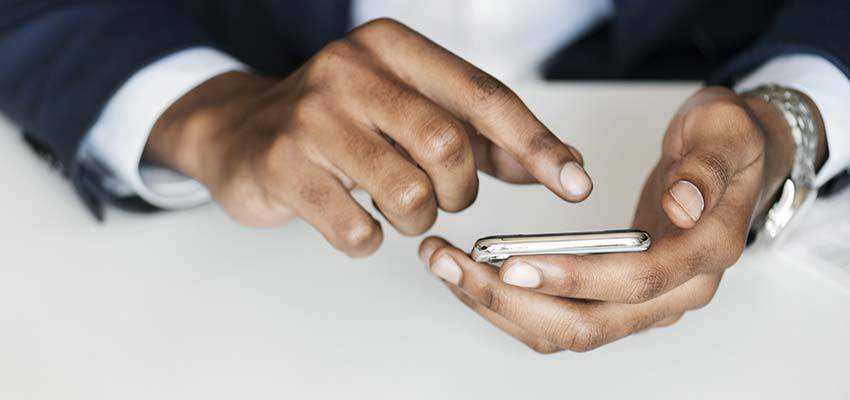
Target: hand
{"points": [[383, 109], [721, 155]]}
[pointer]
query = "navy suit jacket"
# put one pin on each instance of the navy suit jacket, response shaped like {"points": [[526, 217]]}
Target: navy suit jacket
{"points": [[61, 60]]}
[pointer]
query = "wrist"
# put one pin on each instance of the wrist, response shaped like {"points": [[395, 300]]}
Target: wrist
{"points": [[780, 148], [186, 137]]}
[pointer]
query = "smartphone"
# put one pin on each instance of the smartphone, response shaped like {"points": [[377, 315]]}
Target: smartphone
{"points": [[495, 249]]}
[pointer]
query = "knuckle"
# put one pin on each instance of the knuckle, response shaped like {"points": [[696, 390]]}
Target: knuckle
{"points": [[358, 235], [465, 197], [397, 98], [723, 110], [381, 25], [715, 92], [715, 169], [488, 91], [542, 347], [380, 35], [308, 106], [570, 284], [644, 321], [489, 297], [728, 116], [373, 154], [336, 50], [585, 334], [648, 283], [274, 160], [329, 60], [704, 296], [253, 206], [543, 142], [413, 195], [315, 195], [446, 142]]}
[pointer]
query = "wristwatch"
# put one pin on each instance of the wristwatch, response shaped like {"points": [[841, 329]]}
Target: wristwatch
{"points": [[798, 191]]}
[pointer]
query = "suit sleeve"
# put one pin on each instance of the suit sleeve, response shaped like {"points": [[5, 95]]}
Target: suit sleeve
{"points": [[63, 59], [817, 27]]}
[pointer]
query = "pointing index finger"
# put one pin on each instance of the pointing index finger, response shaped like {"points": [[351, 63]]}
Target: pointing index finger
{"points": [[480, 99]]}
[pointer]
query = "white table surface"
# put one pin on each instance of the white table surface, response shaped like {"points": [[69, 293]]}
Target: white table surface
{"points": [[190, 305]]}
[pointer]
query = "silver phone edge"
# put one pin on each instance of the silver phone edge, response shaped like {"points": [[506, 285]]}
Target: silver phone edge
{"points": [[643, 243]]}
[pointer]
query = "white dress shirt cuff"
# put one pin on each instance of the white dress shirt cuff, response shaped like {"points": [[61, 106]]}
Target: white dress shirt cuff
{"points": [[828, 88], [117, 139]]}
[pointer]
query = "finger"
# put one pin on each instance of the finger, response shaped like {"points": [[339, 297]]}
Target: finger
{"points": [[488, 105], [566, 323], [402, 191], [538, 315], [327, 205], [498, 163], [709, 147], [714, 244], [428, 246], [537, 344], [433, 138], [668, 321], [625, 319], [432, 244]]}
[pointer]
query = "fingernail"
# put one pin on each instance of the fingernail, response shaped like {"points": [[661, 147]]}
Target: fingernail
{"points": [[426, 251], [447, 269], [522, 274], [688, 198], [574, 179]]}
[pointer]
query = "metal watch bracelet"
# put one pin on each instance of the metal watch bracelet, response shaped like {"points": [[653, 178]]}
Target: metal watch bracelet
{"points": [[799, 189]]}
